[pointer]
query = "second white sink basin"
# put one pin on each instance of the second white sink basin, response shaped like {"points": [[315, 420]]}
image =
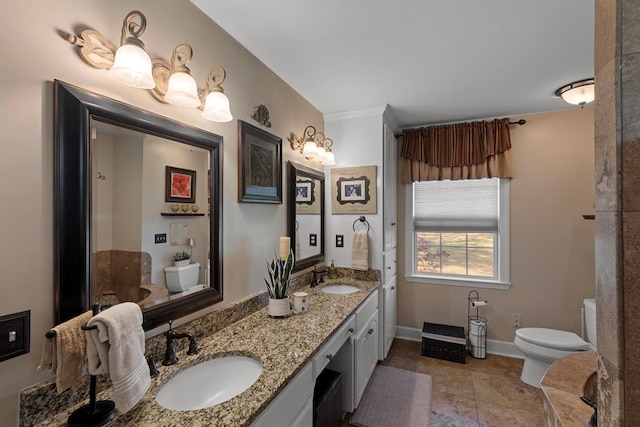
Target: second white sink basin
{"points": [[340, 289], [209, 383]]}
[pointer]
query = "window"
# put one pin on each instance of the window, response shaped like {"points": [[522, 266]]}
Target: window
{"points": [[458, 232]]}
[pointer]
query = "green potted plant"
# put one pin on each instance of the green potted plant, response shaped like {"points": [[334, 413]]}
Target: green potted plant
{"points": [[181, 258], [279, 270]]}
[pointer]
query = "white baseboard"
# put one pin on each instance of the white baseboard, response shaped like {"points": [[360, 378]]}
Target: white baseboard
{"points": [[500, 348]]}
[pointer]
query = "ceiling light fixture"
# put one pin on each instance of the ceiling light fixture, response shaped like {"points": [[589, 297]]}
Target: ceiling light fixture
{"points": [[170, 83], [578, 93], [314, 145]]}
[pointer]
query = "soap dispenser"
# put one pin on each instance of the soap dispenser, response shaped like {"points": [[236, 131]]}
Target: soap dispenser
{"points": [[332, 271]]}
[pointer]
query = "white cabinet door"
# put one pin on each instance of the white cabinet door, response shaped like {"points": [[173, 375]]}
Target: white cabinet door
{"points": [[390, 314], [366, 355], [389, 188]]}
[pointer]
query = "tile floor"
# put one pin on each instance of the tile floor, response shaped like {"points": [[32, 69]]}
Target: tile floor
{"points": [[481, 393]]}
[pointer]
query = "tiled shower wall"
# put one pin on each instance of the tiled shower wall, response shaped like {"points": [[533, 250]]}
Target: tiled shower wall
{"points": [[617, 180]]}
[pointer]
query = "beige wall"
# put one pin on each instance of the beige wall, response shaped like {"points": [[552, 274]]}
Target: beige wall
{"points": [[552, 246], [34, 54]]}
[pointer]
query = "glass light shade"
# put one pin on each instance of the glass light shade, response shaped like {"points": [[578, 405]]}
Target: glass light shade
{"points": [[321, 153], [329, 159], [216, 107], [578, 93], [182, 91], [310, 149], [132, 66]]}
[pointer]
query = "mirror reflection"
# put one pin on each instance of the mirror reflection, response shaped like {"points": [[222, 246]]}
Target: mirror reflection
{"points": [[306, 214], [149, 217], [132, 190]]}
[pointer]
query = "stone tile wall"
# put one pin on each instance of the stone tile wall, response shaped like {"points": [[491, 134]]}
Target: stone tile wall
{"points": [[617, 180]]}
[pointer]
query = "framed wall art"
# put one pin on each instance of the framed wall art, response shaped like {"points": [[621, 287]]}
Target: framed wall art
{"points": [[307, 197], [353, 190], [180, 185], [260, 165]]}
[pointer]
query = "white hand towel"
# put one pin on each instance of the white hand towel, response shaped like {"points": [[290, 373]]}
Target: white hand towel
{"points": [[117, 347], [66, 353], [360, 251]]}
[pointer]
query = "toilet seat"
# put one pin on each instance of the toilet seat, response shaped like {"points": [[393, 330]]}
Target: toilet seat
{"points": [[552, 338]]}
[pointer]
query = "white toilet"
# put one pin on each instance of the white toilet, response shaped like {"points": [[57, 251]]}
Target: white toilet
{"points": [[542, 346], [180, 279]]}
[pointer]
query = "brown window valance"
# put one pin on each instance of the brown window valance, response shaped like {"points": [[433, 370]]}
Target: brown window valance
{"points": [[456, 151]]}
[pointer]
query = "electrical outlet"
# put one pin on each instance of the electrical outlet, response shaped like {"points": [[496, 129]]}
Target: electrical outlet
{"points": [[14, 334], [516, 320], [161, 238], [339, 240]]}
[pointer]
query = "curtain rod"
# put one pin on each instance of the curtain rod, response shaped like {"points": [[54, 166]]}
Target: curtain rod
{"points": [[519, 122]]}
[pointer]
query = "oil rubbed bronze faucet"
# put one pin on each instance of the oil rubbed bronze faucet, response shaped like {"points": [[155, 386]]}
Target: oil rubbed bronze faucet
{"points": [[170, 357], [315, 281]]}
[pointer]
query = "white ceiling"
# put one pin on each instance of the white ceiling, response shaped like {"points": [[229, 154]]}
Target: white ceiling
{"points": [[432, 61]]}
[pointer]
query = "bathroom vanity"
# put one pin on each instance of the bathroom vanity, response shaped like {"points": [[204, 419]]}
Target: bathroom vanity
{"points": [[339, 331]]}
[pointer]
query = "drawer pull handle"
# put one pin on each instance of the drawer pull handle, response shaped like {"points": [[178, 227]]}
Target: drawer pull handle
{"points": [[393, 288], [351, 330], [330, 356], [370, 331], [389, 268], [393, 223]]}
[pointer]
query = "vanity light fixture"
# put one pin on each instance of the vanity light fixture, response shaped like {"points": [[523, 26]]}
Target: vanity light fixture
{"points": [[168, 82], [578, 93], [314, 145]]}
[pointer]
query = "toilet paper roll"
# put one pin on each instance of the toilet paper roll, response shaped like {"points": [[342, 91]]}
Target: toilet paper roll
{"points": [[478, 303], [477, 333]]}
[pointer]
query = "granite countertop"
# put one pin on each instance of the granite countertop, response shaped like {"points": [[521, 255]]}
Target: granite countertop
{"points": [[284, 346], [563, 384]]}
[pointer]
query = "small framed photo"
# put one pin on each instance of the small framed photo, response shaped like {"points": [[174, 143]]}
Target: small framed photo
{"points": [[353, 190], [305, 193], [180, 185], [260, 165]]}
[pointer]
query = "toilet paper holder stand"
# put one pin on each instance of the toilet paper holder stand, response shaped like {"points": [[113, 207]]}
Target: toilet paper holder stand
{"points": [[476, 326]]}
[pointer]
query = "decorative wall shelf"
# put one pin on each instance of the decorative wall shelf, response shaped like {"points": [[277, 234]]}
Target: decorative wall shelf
{"points": [[182, 214]]}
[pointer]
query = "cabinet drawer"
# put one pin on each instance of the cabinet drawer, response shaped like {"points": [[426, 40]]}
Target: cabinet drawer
{"points": [[285, 409], [363, 313], [389, 265], [331, 348]]}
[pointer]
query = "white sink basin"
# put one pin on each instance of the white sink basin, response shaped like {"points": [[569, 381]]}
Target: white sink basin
{"points": [[209, 383], [339, 289]]}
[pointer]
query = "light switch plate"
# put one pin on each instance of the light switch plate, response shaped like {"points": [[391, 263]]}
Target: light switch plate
{"points": [[14, 334]]}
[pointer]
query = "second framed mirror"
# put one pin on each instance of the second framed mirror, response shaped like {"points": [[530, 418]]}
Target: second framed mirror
{"points": [[306, 214]]}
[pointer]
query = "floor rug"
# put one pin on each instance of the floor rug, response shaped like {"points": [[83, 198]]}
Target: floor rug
{"points": [[394, 398]]}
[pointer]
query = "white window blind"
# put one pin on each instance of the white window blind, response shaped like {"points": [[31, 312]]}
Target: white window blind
{"points": [[458, 206]]}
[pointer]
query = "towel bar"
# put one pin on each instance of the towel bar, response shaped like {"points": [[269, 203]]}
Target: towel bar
{"points": [[363, 220]]}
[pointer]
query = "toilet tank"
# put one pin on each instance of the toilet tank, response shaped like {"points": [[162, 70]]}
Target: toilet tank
{"points": [[180, 279], [590, 319]]}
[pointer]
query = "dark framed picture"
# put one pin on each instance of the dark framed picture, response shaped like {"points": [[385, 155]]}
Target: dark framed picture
{"points": [[180, 185], [305, 192], [353, 190], [260, 165]]}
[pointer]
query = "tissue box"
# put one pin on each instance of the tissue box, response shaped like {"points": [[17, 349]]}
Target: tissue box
{"points": [[444, 342]]}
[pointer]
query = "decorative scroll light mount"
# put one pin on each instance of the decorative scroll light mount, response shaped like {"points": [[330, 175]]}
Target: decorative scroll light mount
{"points": [[313, 145], [170, 83]]}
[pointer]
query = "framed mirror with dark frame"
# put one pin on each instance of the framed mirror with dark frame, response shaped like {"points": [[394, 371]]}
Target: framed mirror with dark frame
{"points": [[89, 250], [306, 214]]}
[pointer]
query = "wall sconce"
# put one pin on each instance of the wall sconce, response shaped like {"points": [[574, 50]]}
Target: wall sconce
{"points": [[578, 93], [314, 146], [170, 83]]}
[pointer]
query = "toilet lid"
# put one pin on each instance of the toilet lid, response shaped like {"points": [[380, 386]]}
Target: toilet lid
{"points": [[552, 338]]}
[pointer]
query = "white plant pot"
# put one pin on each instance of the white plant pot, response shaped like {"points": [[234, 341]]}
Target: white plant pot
{"points": [[279, 307], [182, 263]]}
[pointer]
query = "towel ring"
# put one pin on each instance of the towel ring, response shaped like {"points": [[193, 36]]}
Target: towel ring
{"points": [[363, 220]]}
